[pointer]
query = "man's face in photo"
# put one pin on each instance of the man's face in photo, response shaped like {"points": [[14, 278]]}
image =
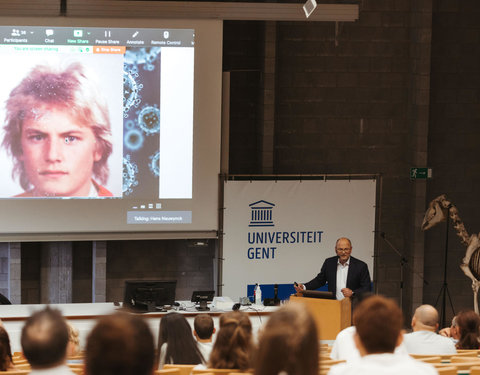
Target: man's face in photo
{"points": [[58, 154]]}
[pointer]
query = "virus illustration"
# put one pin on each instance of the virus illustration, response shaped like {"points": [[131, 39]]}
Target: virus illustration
{"points": [[130, 171], [149, 119]]}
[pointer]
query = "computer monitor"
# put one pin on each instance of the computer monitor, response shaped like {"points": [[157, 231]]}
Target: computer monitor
{"points": [[202, 298], [149, 295]]}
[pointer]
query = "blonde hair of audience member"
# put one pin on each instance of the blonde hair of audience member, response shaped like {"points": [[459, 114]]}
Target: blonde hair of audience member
{"points": [[233, 346], [73, 347], [468, 323], [288, 343], [6, 361], [120, 344], [378, 323], [425, 319]]}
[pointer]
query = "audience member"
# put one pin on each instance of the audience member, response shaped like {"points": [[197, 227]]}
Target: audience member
{"points": [[203, 330], [233, 346], [452, 331], [378, 323], [468, 323], [44, 342], [120, 344], [344, 347], [6, 361], [288, 344], [424, 339], [176, 343], [73, 348]]}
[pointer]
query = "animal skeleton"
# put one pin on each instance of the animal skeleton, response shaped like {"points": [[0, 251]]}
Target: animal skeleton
{"points": [[436, 213]]}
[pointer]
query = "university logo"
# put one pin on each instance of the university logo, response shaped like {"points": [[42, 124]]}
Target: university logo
{"points": [[261, 214]]}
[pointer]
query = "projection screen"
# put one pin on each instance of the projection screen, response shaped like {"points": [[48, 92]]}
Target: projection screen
{"points": [[109, 128]]}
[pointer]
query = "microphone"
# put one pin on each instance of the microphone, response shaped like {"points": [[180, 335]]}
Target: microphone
{"points": [[275, 291]]}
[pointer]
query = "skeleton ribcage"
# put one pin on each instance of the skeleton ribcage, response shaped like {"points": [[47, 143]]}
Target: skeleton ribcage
{"points": [[474, 264]]}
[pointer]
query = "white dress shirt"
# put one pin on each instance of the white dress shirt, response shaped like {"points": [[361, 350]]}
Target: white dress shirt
{"points": [[59, 370], [383, 364], [428, 342], [342, 272], [344, 347]]}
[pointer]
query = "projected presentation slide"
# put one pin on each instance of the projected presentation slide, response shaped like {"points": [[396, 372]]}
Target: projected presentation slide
{"points": [[109, 129], [96, 113]]}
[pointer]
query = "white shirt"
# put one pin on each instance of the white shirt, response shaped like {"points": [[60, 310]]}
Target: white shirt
{"points": [[205, 348], [59, 370], [427, 342], [344, 346], [383, 364], [342, 272]]}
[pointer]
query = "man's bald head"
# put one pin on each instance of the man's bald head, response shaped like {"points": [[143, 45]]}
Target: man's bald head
{"points": [[425, 318]]}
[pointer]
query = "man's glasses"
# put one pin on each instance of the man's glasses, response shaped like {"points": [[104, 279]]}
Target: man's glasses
{"points": [[345, 250]]}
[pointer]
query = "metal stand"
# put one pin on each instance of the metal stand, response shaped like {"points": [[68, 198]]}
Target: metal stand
{"points": [[403, 263], [444, 289]]}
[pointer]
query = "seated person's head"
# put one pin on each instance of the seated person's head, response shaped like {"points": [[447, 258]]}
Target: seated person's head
{"points": [[58, 132], [120, 344], [233, 346], [378, 323], [468, 323], [425, 318], [44, 339], [6, 360], [175, 331], [203, 327], [288, 343], [73, 347]]}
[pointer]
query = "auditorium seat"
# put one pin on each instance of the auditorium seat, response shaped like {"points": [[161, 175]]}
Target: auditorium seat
{"points": [[184, 369], [168, 371], [456, 359], [15, 372], [448, 370], [436, 359], [462, 366], [216, 371], [475, 370]]}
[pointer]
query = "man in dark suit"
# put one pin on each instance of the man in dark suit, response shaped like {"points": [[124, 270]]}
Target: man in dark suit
{"points": [[346, 276]]}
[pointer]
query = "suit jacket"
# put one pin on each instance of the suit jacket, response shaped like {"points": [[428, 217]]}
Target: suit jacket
{"points": [[358, 277]]}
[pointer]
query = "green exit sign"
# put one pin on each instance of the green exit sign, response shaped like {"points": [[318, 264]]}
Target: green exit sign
{"points": [[420, 173]]}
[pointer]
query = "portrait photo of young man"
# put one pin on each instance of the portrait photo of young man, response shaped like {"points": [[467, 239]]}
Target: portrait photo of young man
{"points": [[58, 133]]}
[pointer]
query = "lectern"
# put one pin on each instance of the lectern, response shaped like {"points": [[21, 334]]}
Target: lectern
{"points": [[331, 316]]}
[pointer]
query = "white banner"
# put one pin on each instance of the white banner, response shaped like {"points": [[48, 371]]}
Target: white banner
{"points": [[282, 231]]}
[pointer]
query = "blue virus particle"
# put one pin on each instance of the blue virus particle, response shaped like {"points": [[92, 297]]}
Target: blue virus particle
{"points": [[130, 171], [149, 119], [131, 91], [133, 139], [129, 124], [154, 164], [142, 56]]}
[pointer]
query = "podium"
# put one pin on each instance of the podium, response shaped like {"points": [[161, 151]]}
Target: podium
{"points": [[331, 316]]}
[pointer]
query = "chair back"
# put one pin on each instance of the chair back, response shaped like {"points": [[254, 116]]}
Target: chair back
{"points": [[216, 371], [436, 359], [448, 370], [184, 369], [168, 371]]}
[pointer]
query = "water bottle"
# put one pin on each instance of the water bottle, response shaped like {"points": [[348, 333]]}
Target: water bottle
{"points": [[258, 295]]}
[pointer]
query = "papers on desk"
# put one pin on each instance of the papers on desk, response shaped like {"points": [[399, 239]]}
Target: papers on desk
{"points": [[222, 303]]}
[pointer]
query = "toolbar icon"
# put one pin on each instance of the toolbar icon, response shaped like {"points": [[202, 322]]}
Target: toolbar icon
{"points": [[77, 33]]}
